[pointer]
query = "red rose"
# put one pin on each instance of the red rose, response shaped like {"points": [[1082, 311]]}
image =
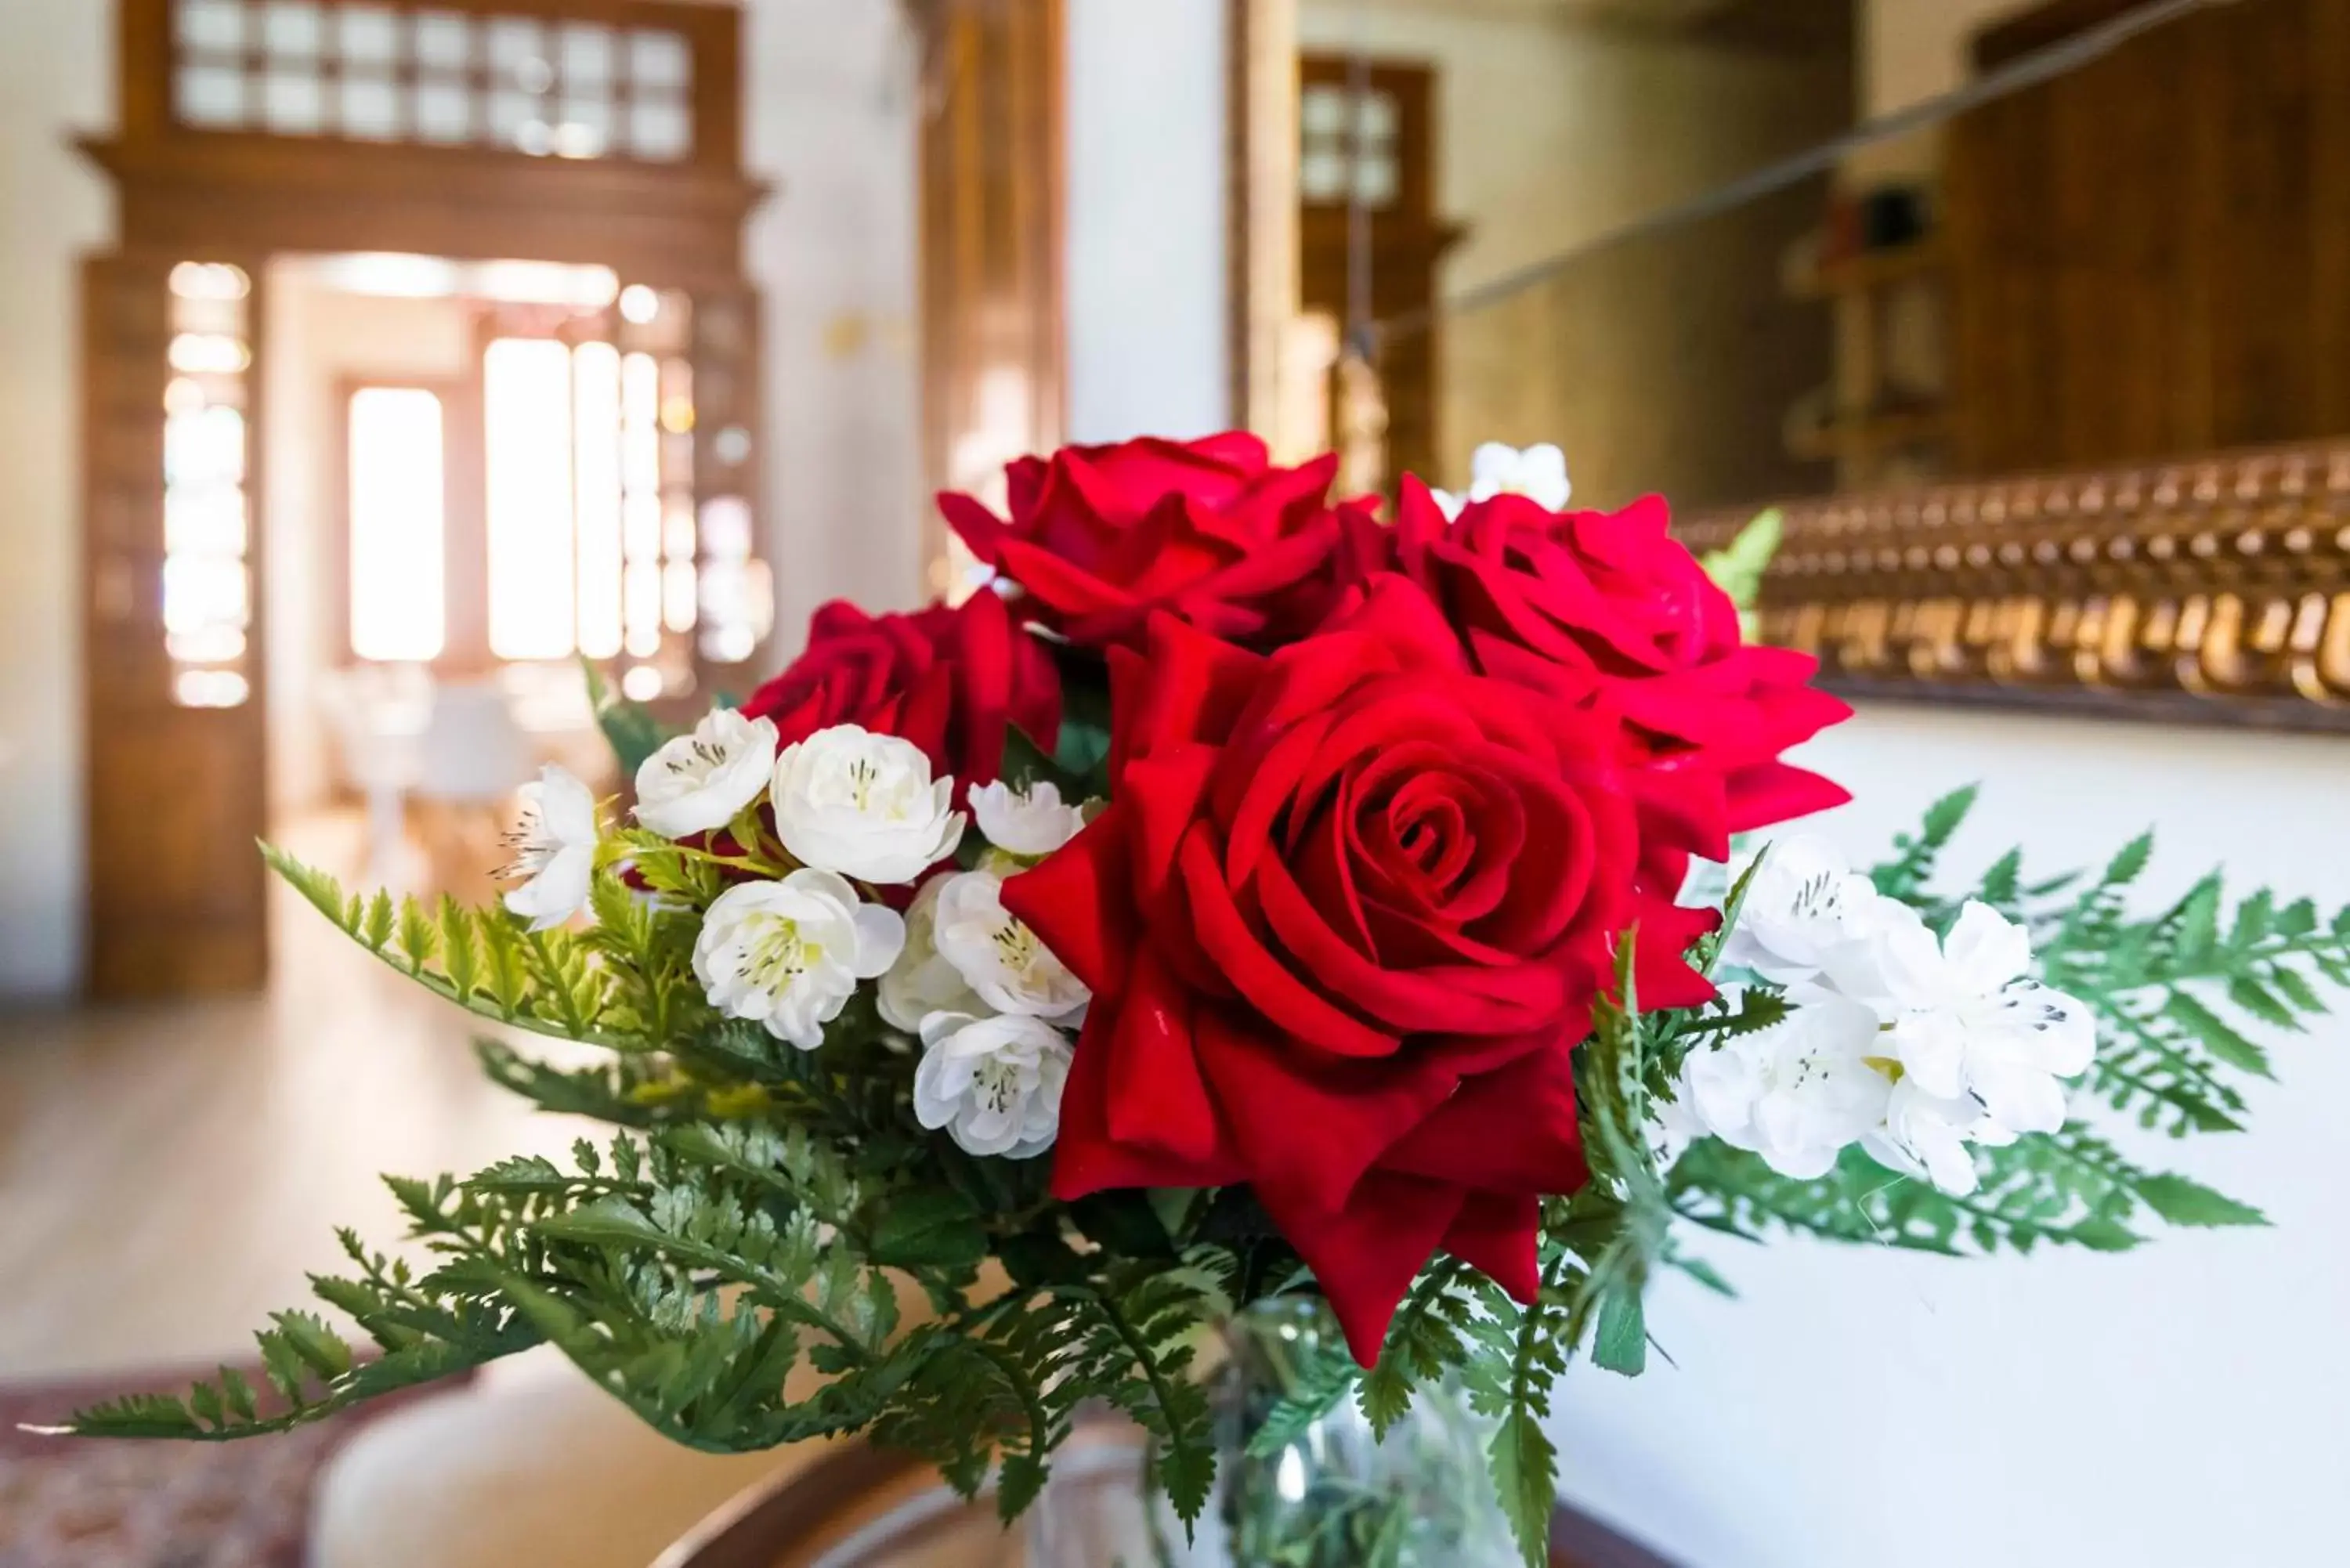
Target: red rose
{"points": [[1343, 921], [1208, 531], [949, 680], [1607, 609]]}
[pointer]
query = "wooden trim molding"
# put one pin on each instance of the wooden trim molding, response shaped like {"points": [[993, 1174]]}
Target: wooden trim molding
{"points": [[1266, 260], [2210, 589]]}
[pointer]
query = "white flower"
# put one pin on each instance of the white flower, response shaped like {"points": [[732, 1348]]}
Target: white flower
{"points": [[1797, 1093], [1804, 906], [697, 782], [1928, 1137], [1538, 473], [1006, 963], [865, 805], [1451, 505], [994, 1083], [789, 954], [922, 981], [554, 849], [1030, 824], [1964, 1020]]}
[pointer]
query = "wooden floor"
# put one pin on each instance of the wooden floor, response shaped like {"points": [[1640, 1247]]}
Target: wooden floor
{"points": [[168, 1174]]}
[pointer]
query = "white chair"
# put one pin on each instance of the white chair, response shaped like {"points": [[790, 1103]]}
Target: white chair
{"points": [[471, 758], [377, 714]]}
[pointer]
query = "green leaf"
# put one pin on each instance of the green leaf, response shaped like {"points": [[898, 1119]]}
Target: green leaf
{"points": [[2184, 1202], [2261, 1002], [1525, 1479], [2216, 1035], [1620, 1343], [927, 1228], [1321, 1384], [1738, 568], [2130, 861], [419, 942]]}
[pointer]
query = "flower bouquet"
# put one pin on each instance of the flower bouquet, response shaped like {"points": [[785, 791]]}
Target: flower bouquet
{"points": [[1249, 902]]}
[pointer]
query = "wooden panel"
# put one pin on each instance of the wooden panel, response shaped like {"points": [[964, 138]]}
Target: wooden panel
{"points": [[176, 796], [994, 364], [2151, 254], [1408, 244]]}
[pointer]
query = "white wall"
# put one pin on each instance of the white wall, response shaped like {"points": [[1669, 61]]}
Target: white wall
{"points": [[1148, 351], [832, 122], [55, 77], [2180, 1406]]}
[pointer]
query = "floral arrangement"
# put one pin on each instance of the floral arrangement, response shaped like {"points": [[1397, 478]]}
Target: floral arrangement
{"points": [[1248, 897]]}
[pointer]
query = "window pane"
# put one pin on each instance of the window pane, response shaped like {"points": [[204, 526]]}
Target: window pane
{"points": [[596, 380], [660, 60], [371, 107], [586, 52], [398, 542], [293, 101], [444, 39], [369, 35], [210, 95], [212, 27], [443, 112], [659, 129], [527, 396], [294, 29], [1322, 176], [1322, 110]]}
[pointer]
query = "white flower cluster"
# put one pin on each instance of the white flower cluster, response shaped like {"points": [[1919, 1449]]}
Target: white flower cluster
{"points": [[1538, 473], [857, 811], [1914, 1046], [992, 1005]]}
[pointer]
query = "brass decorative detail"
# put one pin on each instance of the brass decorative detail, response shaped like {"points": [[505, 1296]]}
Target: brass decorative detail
{"points": [[2212, 589]]}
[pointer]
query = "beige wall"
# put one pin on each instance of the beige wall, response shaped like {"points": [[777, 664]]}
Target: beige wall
{"points": [[1910, 50], [1553, 130], [831, 120]]}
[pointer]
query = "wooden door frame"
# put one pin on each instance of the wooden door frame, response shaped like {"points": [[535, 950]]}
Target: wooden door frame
{"points": [[186, 193], [991, 183]]}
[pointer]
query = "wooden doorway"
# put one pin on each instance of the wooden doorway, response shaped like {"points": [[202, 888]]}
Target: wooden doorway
{"points": [[589, 132]]}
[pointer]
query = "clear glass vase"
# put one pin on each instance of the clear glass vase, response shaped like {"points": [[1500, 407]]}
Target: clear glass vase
{"points": [[1333, 1497]]}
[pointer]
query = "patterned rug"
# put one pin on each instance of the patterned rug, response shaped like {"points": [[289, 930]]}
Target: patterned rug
{"points": [[65, 1503]]}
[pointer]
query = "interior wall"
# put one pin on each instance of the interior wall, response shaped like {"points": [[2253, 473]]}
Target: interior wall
{"points": [[2177, 1407], [834, 96], [1147, 285], [55, 77], [1553, 130], [1910, 50], [315, 339]]}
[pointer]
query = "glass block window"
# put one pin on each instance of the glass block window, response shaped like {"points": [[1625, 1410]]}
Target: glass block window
{"points": [[1349, 148], [372, 71], [207, 528]]}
